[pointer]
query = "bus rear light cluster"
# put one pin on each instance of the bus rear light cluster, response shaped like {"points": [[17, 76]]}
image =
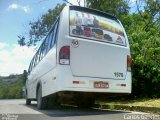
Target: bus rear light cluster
{"points": [[129, 61], [64, 55]]}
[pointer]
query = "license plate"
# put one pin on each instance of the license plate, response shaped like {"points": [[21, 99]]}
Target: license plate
{"points": [[101, 85]]}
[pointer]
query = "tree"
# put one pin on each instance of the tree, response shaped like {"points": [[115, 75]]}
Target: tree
{"points": [[114, 7], [145, 49], [144, 36], [151, 8], [40, 28]]}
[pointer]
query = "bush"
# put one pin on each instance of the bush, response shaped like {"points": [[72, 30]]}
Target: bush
{"points": [[12, 91]]}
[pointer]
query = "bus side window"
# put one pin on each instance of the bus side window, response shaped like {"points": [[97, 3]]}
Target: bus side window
{"points": [[38, 56], [45, 45], [29, 69], [34, 62], [52, 37], [42, 50], [54, 34], [49, 41]]}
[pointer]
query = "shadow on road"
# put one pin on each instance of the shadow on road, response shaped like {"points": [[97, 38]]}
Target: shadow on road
{"points": [[69, 111]]}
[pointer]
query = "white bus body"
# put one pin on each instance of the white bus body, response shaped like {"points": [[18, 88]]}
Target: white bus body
{"points": [[76, 60]]}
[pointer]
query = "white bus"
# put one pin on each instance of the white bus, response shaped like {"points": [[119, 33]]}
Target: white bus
{"points": [[85, 56]]}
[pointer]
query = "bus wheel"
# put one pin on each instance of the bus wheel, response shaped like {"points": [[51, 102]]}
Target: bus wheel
{"points": [[41, 101], [28, 101]]}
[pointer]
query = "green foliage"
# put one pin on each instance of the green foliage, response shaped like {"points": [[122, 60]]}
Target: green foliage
{"points": [[12, 90], [114, 7], [40, 28], [145, 50]]}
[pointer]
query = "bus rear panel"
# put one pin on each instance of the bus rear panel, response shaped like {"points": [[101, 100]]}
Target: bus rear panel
{"points": [[96, 54]]}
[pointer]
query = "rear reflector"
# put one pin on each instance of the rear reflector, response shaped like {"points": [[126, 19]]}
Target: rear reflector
{"points": [[129, 61], [64, 61], [123, 85], [75, 82], [64, 55]]}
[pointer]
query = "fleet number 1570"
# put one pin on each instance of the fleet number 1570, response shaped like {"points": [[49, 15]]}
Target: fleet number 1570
{"points": [[118, 74]]}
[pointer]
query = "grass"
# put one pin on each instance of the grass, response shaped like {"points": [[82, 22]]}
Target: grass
{"points": [[141, 105], [136, 102]]}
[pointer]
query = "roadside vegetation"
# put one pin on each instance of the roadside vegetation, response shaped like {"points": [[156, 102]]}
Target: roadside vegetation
{"points": [[155, 102], [12, 90]]}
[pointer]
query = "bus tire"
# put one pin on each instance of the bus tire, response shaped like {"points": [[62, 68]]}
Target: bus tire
{"points": [[41, 101], [28, 101]]}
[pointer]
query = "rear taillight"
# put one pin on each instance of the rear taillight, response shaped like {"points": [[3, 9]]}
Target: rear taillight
{"points": [[64, 55], [129, 61]]}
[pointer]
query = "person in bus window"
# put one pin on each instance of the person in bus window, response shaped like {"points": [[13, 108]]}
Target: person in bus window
{"points": [[84, 20], [95, 22], [90, 21], [78, 23]]}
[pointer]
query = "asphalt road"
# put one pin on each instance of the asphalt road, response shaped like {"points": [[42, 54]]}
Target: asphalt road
{"points": [[17, 110]]}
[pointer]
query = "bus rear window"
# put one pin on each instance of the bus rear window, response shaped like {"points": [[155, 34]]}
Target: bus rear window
{"points": [[95, 27]]}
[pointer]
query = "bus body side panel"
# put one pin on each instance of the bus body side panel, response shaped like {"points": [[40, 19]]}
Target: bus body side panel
{"points": [[43, 73], [31, 84], [48, 78]]}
